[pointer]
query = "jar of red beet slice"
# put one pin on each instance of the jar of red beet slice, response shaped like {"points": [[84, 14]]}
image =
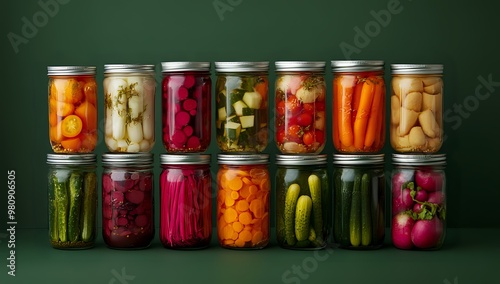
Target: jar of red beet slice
{"points": [[185, 201], [186, 106], [127, 200]]}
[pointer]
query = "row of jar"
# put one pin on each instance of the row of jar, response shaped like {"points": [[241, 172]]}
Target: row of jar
{"points": [[242, 114], [306, 201]]}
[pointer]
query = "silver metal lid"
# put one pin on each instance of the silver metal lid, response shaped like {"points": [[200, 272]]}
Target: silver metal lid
{"points": [[315, 66], [357, 65], [342, 159], [128, 68], [419, 160], [184, 66], [243, 159], [299, 160], [243, 66], [71, 70], [417, 69], [71, 159], [188, 159], [128, 159]]}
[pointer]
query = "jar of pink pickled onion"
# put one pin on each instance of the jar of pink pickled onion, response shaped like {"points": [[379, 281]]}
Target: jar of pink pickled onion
{"points": [[186, 106], [185, 201]]}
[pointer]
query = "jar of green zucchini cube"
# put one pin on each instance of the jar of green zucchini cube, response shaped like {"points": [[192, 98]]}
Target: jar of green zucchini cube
{"points": [[359, 201], [241, 115], [303, 202], [72, 192]]}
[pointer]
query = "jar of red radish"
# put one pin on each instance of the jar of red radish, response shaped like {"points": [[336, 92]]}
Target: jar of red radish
{"points": [[418, 201], [243, 188], [358, 106], [300, 119], [186, 106], [185, 201], [242, 106], [127, 200]]}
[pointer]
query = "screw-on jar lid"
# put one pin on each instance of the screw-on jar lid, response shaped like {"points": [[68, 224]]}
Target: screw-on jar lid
{"points": [[416, 69], [128, 159], [70, 70], [357, 65], [301, 160], [342, 159], [291, 66], [243, 159], [184, 66], [190, 159], [71, 159], [419, 160], [128, 68], [261, 66]]}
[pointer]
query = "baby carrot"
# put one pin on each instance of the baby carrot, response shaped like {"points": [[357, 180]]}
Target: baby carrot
{"points": [[336, 110], [357, 97], [345, 102], [375, 113], [363, 113]]}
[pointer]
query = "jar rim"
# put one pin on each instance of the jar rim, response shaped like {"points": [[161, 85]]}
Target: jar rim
{"points": [[70, 70], [294, 66], [299, 160], [408, 69], [361, 159], [243, 159], [241, 66], [180, 66], [186, 159], [357, 65], [419, 159], [127, 159], [128, 68], [71, 159]]}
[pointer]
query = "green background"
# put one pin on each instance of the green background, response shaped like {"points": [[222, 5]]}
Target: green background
{"points": [[462, 36]]}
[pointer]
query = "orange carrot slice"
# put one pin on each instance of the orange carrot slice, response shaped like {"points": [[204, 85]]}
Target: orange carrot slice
{"points": [[244, 191], [234, 195], [257, 208], [242, 205], [245, 218], [245, 235], [239, 243], [253, 189], [237, 226], [257, 237], [247, 181], [230, 215], [235, 183]]}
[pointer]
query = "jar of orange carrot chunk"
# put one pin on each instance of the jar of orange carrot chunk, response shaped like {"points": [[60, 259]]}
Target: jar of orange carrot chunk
{"points": [[358, 106], [243, 201]]}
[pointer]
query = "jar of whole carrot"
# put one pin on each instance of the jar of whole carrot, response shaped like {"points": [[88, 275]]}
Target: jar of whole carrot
{"points": [[72, 108], [243, 201], [129, 107], [242, 106], [186, 106], [300, 119], [416, 108], [185, 201], [303, 201], [358, 106]]}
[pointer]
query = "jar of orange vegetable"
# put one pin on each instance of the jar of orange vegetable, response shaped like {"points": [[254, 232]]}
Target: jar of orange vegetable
{"points": [[300, 107], [358, 106], [243, 201], [72, 108]]}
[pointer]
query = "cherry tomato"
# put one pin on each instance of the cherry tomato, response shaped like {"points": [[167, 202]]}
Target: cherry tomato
{"points": [[309, 107], [281, 108], [308, 138], [304, 119], [294, 133], [320, 136], [293, 105], [71, 126], [320, 106], [281, 136]]}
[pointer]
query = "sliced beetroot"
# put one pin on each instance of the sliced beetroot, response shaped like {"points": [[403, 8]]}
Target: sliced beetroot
{"points": [[178, 108], [107, 183], [182, 93], [141, 220], [140, 209], [146, 183], [124, 233], [130, 217], [106, 200], [189, 104], [116, 197], [188, 130], [111, 224], [122, 221], [179, 138], [123, 212], [193, 142], [182, 118], [198, 91], [135, 196], [107, 212], [124, 185], [192, 112], [189, 81], [134, 176]]}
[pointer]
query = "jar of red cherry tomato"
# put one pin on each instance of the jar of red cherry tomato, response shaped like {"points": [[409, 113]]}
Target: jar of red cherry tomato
{"points": [[127, 200], [186, 106], [300, 107], [358, 106]]}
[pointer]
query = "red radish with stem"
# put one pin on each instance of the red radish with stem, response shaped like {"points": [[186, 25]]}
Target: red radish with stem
{"points": [[402, 225], [429, 180], [421, 195], [426, 234], [436, 197]]}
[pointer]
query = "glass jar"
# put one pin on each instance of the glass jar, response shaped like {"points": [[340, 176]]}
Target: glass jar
{"points": [[185, 201], [359, 197], [300, 118], [241, 93], [416, 108], [72, 108], [127, 200], [129, 107], [243, 201], [303, 202], [418, 201], [358, 106], [72, 192], [186, 106]]}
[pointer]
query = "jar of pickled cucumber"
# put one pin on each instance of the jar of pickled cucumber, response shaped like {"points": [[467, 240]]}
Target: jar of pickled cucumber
{"points": [[303, 202], [72, 104], [300, 118], [186, 106], [418, 201], [129, 107], [243, 201], [127, 200], [242, 106], [358, 106], [416, 108], [359, 197], [185, 201], [72, 192]]}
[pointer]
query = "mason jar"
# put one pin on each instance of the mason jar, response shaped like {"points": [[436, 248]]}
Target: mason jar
{"points": [[303, 202], [185, 201], [300, 118], [186, 106], [243, 188], [129, 107], [241, 100], [416, 108], [359, 197], [72, 112], [127, 200], [358, 106], [72, 192], [418, 201]]}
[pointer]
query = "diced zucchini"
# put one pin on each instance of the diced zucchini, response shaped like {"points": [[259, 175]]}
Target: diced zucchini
{"points": [[236, 95], [232, 130], [222, 113], [233, 118], [248, 111], [221, 99], [247, 121], [252, 99], [238, 107], [218, 123]]}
